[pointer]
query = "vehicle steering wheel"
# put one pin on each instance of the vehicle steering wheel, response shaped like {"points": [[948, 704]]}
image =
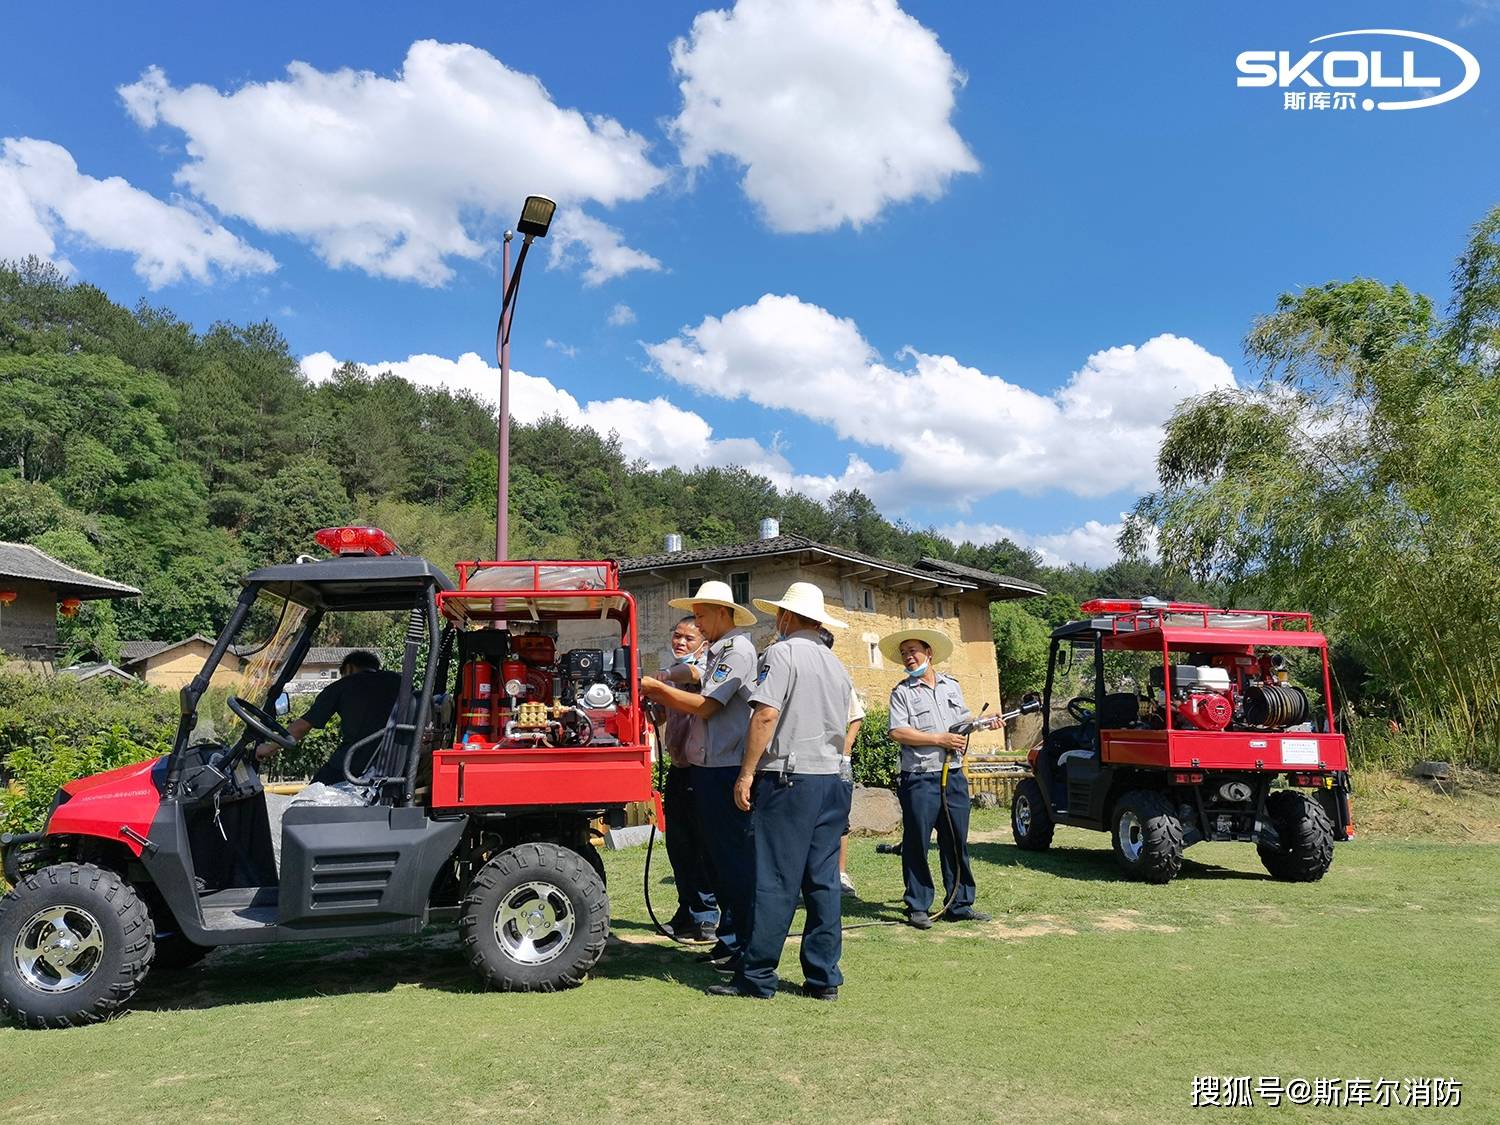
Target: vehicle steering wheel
{"points": [[1081, 707], [261, 723]]}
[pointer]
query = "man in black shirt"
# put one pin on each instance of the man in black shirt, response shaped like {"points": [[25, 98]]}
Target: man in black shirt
{"points": [[362, 698]]}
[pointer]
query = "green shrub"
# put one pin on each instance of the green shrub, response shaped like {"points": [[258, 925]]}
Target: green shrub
{"points": [[39, 770], [36, 707], [1377, 742], [877, 757]]}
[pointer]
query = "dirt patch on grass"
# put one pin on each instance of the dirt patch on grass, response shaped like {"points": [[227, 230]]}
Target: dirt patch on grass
{"points": [[1127, 921], [1036, 927], [1464, 810]]}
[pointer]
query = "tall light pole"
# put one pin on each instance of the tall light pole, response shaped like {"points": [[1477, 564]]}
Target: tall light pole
{"points": [[536, 217]]}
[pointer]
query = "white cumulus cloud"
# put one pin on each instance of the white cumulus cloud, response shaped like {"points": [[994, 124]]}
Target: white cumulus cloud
{"points": [[960, 434], [621, 315], [835, 108], [45, 199], [656, 431], [576, 236], [1092, 543], [398, 176]]}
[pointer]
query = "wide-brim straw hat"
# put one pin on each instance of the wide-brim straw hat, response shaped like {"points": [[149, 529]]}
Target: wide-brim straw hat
{"points": [[716, 593], [804, 599], [940, 643]]}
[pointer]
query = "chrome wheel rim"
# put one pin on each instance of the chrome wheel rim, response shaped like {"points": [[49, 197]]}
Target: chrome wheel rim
{"points": [[1023, 816], [59, 949], [1132, 835], [535, 923]]}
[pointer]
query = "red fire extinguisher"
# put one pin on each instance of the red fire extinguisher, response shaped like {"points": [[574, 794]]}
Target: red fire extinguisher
{"points": [[478, 692]]}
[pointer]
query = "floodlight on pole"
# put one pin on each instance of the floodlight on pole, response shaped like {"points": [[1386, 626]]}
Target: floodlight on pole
{"points": [[536, 217]]}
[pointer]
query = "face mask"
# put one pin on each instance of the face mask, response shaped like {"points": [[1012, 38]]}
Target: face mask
{"points": [[919, 671]]}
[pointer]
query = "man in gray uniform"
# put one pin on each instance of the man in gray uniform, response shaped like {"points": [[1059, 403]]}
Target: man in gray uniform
{"points": [[724, 707], [789, 783], [923, 706]]}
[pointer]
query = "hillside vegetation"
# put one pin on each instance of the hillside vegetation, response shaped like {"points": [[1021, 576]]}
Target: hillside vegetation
{"points": [[1359, 479]]}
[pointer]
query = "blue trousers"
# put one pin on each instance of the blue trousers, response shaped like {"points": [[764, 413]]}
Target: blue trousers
{"points": [[685, 848], [727, 834], [922, 811], [797, 830]]}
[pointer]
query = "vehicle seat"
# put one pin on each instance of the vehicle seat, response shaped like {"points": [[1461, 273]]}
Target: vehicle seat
{"points": [[1121, 708]]}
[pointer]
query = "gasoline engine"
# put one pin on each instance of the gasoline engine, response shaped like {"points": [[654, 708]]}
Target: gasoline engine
{"points": [[1207, 697], [516, 692]]}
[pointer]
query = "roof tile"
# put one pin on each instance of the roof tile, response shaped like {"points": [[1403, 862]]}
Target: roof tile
{"points": [[22, 560]]}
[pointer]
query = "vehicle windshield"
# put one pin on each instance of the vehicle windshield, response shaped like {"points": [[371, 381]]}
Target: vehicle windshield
{"points": [[255, 658]]}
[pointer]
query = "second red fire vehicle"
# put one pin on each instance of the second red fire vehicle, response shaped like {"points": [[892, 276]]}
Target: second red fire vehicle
{"points": [[1191, 725]]}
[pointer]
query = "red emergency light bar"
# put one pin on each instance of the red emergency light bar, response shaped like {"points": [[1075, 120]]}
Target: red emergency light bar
{"points": [[1100, 606], [357, 541]]}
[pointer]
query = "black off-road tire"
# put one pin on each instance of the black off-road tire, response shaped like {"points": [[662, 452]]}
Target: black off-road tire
{"points": [[528, 877], [1151, 850], [124, 929], [1306, 851], [1030, 819], [596, 861]]}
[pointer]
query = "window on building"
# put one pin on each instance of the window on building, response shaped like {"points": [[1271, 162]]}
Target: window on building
{"points": [[911, 607], [739, 587], [869, 600], [693, 584], [874, 654], [938, 607]]}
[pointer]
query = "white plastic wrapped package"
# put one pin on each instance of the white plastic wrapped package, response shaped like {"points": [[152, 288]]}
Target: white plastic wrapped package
{"points": [[315, 794]]}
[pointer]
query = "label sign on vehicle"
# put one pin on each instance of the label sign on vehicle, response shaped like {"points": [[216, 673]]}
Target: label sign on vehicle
{"points": [[1299, 751]]}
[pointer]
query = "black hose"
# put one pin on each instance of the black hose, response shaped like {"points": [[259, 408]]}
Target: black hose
{"points": [[651, 846], [1275, 705]]}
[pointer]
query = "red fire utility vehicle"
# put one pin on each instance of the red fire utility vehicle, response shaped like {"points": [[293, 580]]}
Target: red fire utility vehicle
{"points": [[1191, 720], [476, 807]]}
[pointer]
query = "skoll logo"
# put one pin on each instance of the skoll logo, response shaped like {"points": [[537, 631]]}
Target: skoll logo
{"points": [[1329, 79]]}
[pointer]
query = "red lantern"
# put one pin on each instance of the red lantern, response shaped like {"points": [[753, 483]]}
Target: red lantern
{"points": [[69, 607], [7, 597]]}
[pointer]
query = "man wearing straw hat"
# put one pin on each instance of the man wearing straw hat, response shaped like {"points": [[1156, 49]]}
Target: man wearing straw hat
{"points": [[789, 783], [923, 706], [723, 705]]}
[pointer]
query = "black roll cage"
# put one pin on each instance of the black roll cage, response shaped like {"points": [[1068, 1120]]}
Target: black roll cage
{"points": [[1078, 634], [380, 586]]}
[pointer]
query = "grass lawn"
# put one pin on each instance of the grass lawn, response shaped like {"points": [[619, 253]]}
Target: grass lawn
{"points": [[1089, 998]]}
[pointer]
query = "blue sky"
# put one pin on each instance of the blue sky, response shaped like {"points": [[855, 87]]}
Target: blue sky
{"points": [[858, 244]]}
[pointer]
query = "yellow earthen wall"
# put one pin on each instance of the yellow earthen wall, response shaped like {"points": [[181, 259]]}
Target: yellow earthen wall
{"points": [[173, 669]]}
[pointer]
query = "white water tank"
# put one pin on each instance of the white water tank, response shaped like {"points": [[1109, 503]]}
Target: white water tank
{"points": [[673, 543], [770, 528]]}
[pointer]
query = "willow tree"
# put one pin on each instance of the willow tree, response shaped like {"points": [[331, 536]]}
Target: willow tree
{"points": [[1360, 479]]}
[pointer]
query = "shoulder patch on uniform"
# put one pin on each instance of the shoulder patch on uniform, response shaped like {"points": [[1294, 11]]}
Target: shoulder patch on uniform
{"points": [[721, 673], [765, 670]]}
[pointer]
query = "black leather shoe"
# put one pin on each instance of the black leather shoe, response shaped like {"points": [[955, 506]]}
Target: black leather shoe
{"points": [[968, 916], [717, 953], [702, 933], [728, 967], [819, 992], [919, 919], [731, 990]]}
